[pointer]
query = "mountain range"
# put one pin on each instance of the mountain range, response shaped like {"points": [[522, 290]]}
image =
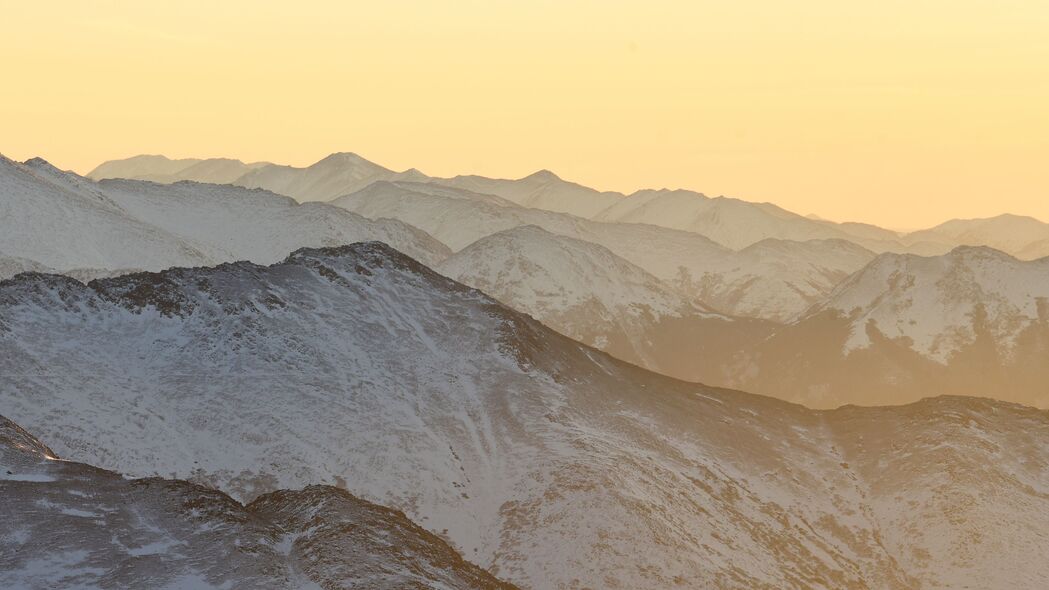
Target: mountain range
{"points": [[733, 223], [544, 461], [771, 317], [528, 375]]}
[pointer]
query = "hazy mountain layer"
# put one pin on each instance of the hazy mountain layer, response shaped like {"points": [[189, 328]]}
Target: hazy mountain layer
{"points": [[731, 222], [164, 170], [541, 190], [777, 280], [586, 292], [546, 461], [972, 322], [70, 525]]}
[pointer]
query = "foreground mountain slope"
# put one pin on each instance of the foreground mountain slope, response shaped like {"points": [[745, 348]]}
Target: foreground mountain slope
{"points": [[544, 461], [586, 292], [974, 322], [70, 525]]}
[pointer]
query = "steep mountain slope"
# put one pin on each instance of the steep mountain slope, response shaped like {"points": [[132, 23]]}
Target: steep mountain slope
{"points": [[541, 190], [586, 292], [336, 175], [975, 321], [62, 221], [774, 280], [1015, 234], [547, 462], [70, 525]]}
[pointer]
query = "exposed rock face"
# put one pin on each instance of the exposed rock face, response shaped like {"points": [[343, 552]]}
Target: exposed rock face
{"points": [[70, 525], [541, 459]]}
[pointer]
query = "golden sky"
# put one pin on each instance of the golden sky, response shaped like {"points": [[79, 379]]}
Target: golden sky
{"points": [[897, 112]]}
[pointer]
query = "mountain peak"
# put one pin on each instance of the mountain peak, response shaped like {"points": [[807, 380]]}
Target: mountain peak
{"points": [[543, 175], [343, 158]]}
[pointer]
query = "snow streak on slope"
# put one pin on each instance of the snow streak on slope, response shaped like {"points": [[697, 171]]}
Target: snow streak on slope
{"points": [[70, 525], [546, 461]]}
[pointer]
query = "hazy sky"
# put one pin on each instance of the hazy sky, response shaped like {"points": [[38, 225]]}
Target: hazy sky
{"points": [[897, 112]]}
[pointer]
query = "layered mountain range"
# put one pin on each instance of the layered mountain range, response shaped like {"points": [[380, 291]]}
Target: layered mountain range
{"points": [[525, 372], [733, 223], [546, 462], [779, 316]]}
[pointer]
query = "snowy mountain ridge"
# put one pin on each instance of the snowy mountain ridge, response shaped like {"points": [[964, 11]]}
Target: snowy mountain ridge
{"points": [[547, 462]]}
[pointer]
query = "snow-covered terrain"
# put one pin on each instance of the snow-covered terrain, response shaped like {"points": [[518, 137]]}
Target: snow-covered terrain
{"points": [[542, 460], [62, 221], [974, 321], [70, 525], [773, 280], [941, 304], [586, 292]]}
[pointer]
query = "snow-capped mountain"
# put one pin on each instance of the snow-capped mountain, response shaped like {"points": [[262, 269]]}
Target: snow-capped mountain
{"points": [[70, 525], [773, 280], [586, 292], [62, 221], [541, 190], [974, 321], [544, 461]]}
